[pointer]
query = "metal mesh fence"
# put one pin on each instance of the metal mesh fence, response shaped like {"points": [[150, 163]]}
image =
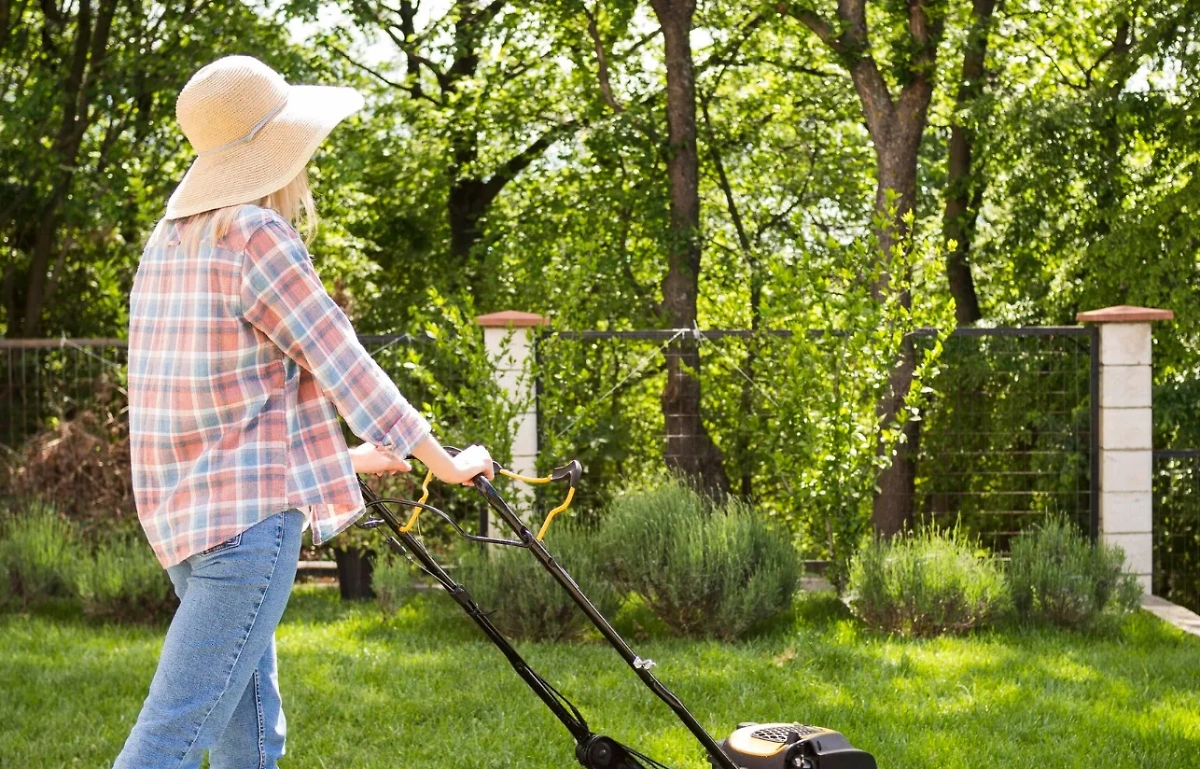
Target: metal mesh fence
{"points": [[1007, 439], [1177, 526], [1006, 433], [45, 385], [43, 381], [600, 400]]}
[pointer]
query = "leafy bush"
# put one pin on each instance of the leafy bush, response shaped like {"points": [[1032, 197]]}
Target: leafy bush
{"points": [[1057, 575], [703, 569], [122, 580], [392, 580], [38, 553], [525, 600], [926, 582]]}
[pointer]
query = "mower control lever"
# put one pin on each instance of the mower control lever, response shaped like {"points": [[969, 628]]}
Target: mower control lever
{"points": [[570, 472]]}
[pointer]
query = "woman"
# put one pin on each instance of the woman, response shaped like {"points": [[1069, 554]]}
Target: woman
{"points": [[238, 358]]}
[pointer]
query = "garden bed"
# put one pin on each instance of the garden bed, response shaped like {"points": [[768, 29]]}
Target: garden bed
{"points": [[423, 689]]}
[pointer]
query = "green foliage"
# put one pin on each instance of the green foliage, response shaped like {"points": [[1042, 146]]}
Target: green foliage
{"points": [[1058, 576], [43, 556], [122, 580], [39, 553], [90, 147], [926, 582], [392, 581], [1085, 146], [703, 569], [525, 601]]}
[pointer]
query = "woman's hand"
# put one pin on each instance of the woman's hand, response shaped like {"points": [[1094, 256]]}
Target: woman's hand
{"points": [[470, 462], [367, 458]]}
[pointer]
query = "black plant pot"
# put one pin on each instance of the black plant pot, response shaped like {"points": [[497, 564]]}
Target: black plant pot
{"points": [[354, 567]]}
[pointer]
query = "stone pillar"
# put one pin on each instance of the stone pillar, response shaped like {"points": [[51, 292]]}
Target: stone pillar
{"points": [[508, 339], [1126, 432]]}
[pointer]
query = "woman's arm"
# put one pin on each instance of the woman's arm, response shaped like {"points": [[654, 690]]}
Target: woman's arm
{"points": [[471, 461], [283, 297]]}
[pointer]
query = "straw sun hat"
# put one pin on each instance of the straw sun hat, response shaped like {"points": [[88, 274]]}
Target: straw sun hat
{"points": [[252, 132]]}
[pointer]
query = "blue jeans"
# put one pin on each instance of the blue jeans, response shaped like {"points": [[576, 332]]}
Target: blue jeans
{"points": [[216, 687]]}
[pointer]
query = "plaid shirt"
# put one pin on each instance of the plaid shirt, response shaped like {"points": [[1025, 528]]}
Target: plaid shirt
{"points": [[237, 358]]}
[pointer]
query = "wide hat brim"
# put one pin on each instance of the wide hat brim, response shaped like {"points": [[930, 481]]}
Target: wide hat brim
{"points": [[246, 172]]}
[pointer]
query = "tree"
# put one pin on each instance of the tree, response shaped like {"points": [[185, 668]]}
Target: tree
{"points": [[690, 449], [90, 147], [964, 186], [474, 77], [71, 55], [896, 125]]}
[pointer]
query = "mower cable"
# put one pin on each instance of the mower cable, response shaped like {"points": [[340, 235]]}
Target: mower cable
{"points": [[382, 501]]}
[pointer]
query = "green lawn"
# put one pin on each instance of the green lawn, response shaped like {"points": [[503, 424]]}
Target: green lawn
{"points": [[423, 690]]}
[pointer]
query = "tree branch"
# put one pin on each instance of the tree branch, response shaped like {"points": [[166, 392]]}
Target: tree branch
{"points": [[821, 28], [519, 162], [415, 91], [442, 78], [723, 183], [605, 85], [852, 45], [486, 14], [1119, 47]]}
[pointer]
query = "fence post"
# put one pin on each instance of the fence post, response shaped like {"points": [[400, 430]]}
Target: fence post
{"points": [[1126, 432], [508, 339]]}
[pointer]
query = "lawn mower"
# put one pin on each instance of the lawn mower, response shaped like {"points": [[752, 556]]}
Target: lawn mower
{"points": [[789, 745]]}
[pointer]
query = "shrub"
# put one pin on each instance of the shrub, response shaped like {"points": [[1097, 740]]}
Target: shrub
{"points": [[38, 552], [1057, 575], [392, 580], [525, 600], [122, 580], [703, 569], [926, 582]]}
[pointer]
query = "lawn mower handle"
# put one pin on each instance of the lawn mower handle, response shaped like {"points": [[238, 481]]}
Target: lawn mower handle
{"points": [[570, 472], [639, 666]]}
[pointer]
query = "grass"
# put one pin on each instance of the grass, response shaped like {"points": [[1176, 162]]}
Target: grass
{"points": [[425, 690]]}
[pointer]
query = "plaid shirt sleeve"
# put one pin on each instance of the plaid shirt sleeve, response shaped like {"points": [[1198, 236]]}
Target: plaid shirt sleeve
{"points": [[283, 297]]}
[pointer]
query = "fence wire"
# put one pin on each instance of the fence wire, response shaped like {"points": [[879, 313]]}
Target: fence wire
{"points": [[1008, 438], [1005, 438], [1177, 526], [1006, 421]]}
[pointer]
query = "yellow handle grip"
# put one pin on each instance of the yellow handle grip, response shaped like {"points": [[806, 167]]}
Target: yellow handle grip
{"points": [[550, 515], [412, 519]]}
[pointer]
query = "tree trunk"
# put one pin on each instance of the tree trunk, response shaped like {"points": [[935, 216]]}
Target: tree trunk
{"points": [[90, 47], [465, 203], [465, 206], [896, 126], [893, 506], [964, 188], [690, 450]]}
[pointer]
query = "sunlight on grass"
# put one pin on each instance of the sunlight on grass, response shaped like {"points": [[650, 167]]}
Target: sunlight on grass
{"points": [[424, 689]]}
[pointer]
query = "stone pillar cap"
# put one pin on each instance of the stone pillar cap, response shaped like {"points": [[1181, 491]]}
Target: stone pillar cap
{"points": [[1124, 314], [512, 319]]}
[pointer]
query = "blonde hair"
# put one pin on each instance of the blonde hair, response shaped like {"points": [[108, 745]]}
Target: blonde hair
{"points": [[293, 201]]}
